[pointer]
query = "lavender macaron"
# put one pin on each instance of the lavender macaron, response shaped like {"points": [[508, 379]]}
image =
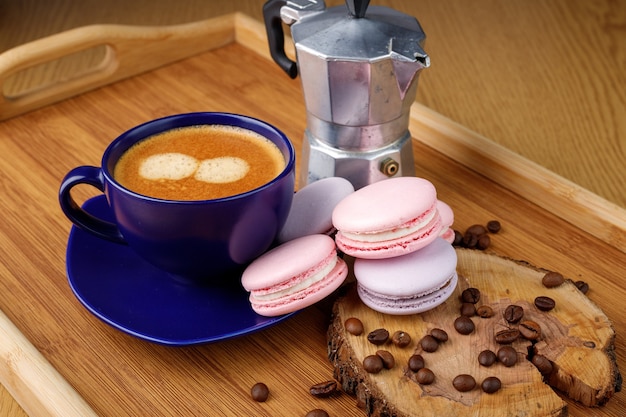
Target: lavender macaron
{"points": [[408, 284]]}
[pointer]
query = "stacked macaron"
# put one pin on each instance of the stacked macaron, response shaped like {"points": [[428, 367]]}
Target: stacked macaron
{"points": [[395, 230]]}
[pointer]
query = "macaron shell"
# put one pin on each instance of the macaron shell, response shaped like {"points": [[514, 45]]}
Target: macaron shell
{"points": [[312, 208], [306, 297], [408, 305], [408, 275], [287, 261], [390, 248], [446, 213], [384, 205]]}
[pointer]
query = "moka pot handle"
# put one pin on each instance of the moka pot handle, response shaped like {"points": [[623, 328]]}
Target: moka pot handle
{"points": [[276, 37]]}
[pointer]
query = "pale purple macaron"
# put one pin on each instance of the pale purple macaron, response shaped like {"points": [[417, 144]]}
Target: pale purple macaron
{"points": [[408, 284], [312, 208], [388, 218], [294, 275]]}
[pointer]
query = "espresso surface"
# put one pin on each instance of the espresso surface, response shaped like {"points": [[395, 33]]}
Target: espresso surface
{"points": [[199, 163]]}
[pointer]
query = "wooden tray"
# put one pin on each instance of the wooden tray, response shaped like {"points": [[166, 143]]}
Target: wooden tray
{"points": [[86, 366]]}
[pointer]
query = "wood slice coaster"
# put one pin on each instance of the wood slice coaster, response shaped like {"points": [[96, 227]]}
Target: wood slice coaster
{"points": [[576, 337]]}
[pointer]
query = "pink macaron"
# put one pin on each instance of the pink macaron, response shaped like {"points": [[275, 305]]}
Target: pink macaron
{"points": [[388, 218], [408, 284], [294, 275], [447, 219]]}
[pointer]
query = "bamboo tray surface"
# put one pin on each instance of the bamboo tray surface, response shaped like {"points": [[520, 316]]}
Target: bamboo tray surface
{"points": [[90, 366]]}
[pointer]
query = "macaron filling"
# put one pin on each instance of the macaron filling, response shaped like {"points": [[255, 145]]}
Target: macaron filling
{"points": [[297, 283], [406, 229]]}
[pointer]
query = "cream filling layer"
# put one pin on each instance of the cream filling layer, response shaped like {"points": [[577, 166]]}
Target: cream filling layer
{"points": [[400, 231], [299, 285]]}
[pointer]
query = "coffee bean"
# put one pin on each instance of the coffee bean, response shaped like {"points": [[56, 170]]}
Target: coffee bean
{"points": [[373, 364], [507, 336], [543, 364], [589, 344], [464, 325], [487, 358], [378, 336], [260, 392], [552, 279], [416, 362], [484, 311], [507, 356], [493, 226], [429, 343], [318, 412], [544, 303], [483, 242], [425, 376], [439, 334], [388, 359], [582, 286], [323, 389], [470, 295], [401, 339], [513, 313], [354, 326], [468, 309], [458, 238], [491, 384], [464, 383], [470, 241], [530, 330], [476, 230]]}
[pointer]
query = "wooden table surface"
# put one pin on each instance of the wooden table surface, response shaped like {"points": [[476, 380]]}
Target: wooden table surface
{"points": [[483, 82]]}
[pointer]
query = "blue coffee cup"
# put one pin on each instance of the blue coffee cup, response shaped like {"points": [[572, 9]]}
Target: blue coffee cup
{"points": [[204, 240]]}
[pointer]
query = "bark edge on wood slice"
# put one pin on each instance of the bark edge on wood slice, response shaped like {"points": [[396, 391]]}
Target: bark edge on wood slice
{"points": [[576, 337]]}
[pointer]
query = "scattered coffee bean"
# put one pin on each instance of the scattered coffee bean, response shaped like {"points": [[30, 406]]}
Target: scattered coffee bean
{"points": [[582, 286], [429, 343], [416, 362], [425, 376], [487, 358], [439, 334], [543, 364], [493, 226], [323, 389], [507, 336], [388, 359], [354, 326], [401, 339], [318, 412], [484, 311], [378, 336], [552, 279], [458, 238], [470, 295], [530, 330], [464, 325], [260, 392], [507, 356], [483, 242], [373, 364], [468, 309], [476, 230], [464, 383], [544, 303], [470, 241], [513, 313], [491, 384], [589, 344]]}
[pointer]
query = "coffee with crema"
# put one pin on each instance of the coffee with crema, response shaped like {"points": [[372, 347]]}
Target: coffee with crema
{"points": [[199, 163]]}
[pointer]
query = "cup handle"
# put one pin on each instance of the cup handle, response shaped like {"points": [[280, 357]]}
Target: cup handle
{"points": [[92, 176]]}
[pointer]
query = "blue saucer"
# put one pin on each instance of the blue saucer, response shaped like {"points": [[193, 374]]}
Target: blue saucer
{"points": [[123, 290]]}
